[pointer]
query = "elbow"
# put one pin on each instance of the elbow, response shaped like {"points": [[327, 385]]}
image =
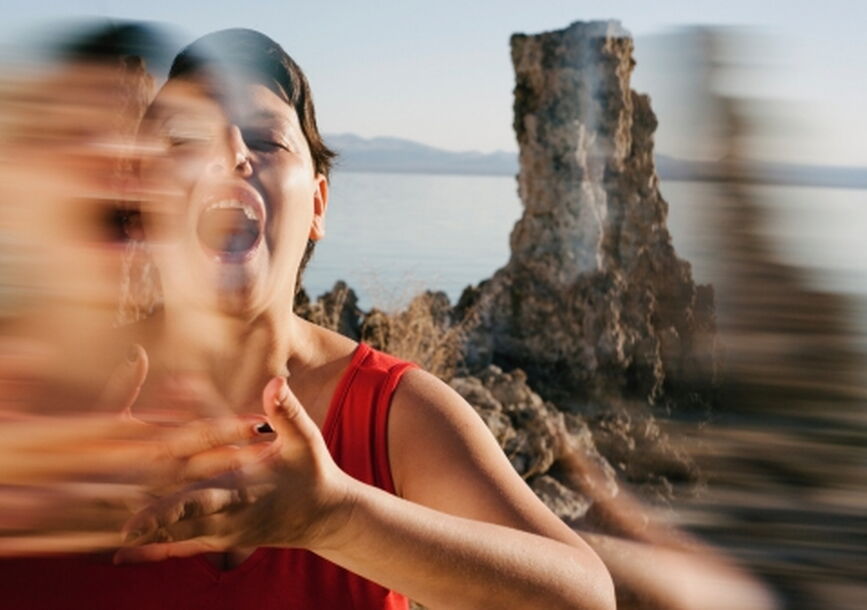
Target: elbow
{"points": [[604, 589], [595, 586], [578, 581]]}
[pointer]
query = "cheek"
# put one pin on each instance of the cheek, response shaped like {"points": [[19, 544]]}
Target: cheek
{"points": [[289, 192]]}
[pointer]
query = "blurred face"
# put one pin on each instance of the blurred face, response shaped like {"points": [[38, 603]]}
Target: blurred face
{"points": [[61, 182], [231, 196]]}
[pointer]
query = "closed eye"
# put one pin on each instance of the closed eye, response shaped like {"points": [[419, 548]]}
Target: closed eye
{"points": [[266, 145], [266, 139]]}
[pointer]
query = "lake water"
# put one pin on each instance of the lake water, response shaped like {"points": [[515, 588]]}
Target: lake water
{"points": [[391, 235]]}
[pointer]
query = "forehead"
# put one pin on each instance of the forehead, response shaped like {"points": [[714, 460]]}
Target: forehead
{"points": [[238, 100]]}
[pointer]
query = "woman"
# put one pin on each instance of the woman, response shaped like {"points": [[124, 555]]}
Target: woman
{"points": [[240, 176], [379, 477]]}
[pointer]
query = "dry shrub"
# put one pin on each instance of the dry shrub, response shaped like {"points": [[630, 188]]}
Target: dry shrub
{"points": [[424, 332]]}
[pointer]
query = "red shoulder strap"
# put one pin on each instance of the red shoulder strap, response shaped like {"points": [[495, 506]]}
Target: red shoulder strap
{"points": [[356, 427]]}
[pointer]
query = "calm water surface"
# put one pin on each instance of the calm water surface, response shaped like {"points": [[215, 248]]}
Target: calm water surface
{"points": [[392, 235]]}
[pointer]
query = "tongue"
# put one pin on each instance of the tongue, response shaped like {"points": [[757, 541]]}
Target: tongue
{"points": [[227, 230]]}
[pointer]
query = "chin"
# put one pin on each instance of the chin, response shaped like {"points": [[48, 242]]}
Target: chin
{"points": [[239, 294]]}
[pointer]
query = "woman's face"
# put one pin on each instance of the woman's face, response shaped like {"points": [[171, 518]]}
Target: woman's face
{"points": [[61, 180], [230, 196]]}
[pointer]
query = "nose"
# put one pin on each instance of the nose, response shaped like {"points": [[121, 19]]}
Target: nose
{"points": [[231, 154]]}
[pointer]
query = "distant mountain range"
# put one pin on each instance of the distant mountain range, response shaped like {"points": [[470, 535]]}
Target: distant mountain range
{"points": [[386, 154], [357, 154]]}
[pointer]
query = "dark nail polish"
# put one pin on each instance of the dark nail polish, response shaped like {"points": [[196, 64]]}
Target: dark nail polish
{"points": [[264, 428]]}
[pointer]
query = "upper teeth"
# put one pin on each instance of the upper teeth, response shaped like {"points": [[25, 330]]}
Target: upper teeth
{"points": [[232, 204]]}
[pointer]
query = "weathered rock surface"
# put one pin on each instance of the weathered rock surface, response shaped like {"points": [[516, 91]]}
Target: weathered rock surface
{"points": [[336, 309], [535, 436], [593, 302]]}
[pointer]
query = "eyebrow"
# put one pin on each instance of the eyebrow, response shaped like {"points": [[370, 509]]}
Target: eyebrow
{"points": [[269, 116], [160, 113]]}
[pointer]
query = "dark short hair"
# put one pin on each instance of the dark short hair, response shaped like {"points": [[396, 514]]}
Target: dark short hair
{"points": [[252, 53], [255, 54]]}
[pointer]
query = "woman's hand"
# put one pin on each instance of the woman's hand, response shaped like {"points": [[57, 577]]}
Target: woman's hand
{"points": [[290, 494], [74, 494], [113, 446], [68, 482]]}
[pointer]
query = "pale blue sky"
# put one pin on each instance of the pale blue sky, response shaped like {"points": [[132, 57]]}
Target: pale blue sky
{"points": [[440, 73]]}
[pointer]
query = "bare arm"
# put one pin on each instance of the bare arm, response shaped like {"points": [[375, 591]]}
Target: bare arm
{"points": [[460, 551], [444, 561], [655, 565], [472, 534]]}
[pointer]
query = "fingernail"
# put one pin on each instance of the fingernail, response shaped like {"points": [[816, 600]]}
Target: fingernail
{"points": [[264, 428], [132, 354], [133, 535]]}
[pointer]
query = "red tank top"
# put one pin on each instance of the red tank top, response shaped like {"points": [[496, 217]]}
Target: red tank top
{"points": [[355, 430]]}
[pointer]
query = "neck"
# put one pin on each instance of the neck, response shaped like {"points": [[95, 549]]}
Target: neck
{"points": [[238, 356]]}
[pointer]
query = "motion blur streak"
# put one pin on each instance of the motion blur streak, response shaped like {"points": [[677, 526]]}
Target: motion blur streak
{"points": [[784, 449]]}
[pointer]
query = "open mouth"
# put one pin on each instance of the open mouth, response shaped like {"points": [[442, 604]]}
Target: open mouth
{"points": [[230, 228]]}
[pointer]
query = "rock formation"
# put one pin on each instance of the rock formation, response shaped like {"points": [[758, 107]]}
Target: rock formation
{"points": [[593, 301], [594, 304]]}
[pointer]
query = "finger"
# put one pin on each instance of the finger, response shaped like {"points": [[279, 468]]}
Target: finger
{"points": [[203, 435], [69, 506], [286, 414], [114, 449], [217, 461], [57, 542], [220, 494], [126, 380], [220, 525], [42, 433], [189, 504], [167, 550]]}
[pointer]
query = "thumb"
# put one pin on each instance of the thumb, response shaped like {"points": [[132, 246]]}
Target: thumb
{"points": [[285, 413], [125, 382]]}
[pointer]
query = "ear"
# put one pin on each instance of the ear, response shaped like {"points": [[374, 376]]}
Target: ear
{"points": [[320, 204]]}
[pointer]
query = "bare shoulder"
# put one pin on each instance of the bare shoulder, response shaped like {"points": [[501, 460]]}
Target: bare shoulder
{"points": [[443, 456], [327, 345], [422, 400]]}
